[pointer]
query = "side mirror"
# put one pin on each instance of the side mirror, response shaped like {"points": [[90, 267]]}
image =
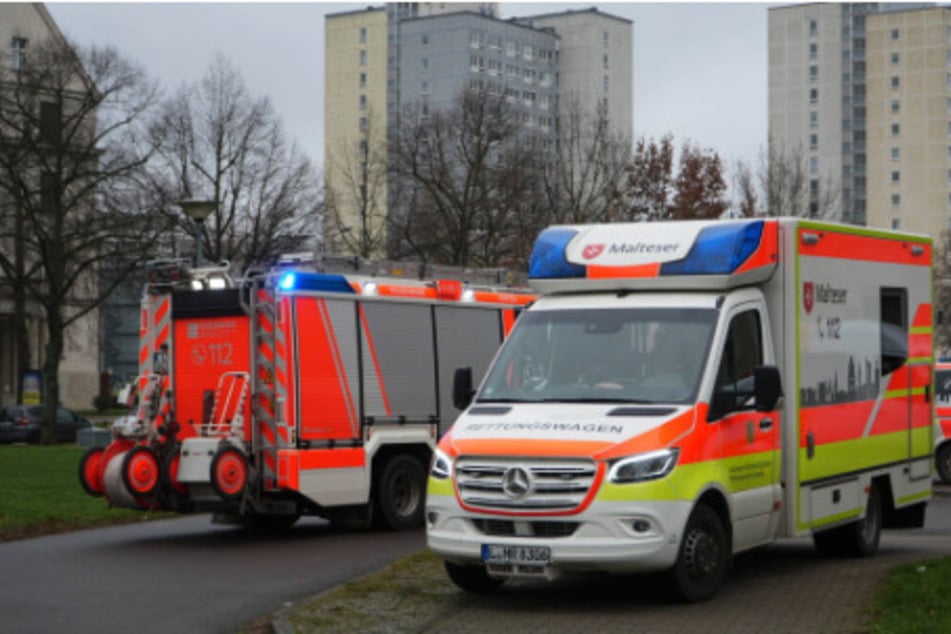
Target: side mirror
{"points": [[767, 387], [462, 391]]}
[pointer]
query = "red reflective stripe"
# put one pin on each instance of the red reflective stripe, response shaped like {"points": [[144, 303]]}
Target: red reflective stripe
{"points": [[640, 270], [833, 244], [340, 368], [376, 362]]}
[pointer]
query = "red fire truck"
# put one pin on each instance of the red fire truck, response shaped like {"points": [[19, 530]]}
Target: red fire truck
{"points": [[294, 392]]}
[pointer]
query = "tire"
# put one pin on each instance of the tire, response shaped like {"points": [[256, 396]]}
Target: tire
{"points": [[856, 539], [229, 473], [473, 579], [943, 463], [91, 468], [141, 471], [703, 558], [400, 493]]}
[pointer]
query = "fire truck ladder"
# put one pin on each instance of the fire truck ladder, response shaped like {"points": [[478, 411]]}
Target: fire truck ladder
{"points": [[268, 381]]}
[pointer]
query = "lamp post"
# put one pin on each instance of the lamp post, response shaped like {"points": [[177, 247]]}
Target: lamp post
{"points": [[198, 210]]}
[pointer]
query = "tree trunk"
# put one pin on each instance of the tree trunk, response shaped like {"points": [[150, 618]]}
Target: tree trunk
{"points": [[54, 350]]}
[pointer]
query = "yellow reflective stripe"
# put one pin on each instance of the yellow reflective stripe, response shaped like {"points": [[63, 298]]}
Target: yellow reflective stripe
{"points": [[915, 497], [830, 519], [920, 360], [857, 455], [437, 486], [903, 392], [921, 330]]}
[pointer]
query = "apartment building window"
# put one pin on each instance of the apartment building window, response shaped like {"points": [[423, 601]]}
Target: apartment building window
{"points": [[896, 129], [18, 52], [813, 141], [896, 177], [49, 192], [424, 87], [604, 37], [363, 35], [896, 154], [363, 102], [895, 58], [363, 58], [510, 49], [813, 119], [528, 53], [896, 200], [896, 34], [813, 95], [363, 80], [813, 50], [896, 223], [475, 39], [896, 106], [606, 83], [813, 164], [425, 62], [813, 28], [363, 147], [363, 124], [51, 122], [604, 61], [813, 72], [896, 81]]}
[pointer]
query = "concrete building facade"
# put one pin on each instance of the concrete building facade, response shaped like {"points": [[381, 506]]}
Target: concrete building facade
{"points": [[909, 120], [432, 52]]}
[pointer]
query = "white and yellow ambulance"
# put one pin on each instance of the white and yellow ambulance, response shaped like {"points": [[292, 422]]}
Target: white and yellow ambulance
{"points": [[684, 391]]}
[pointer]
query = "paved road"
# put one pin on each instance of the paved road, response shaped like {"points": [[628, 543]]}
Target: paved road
{"points": [[180, 575]]}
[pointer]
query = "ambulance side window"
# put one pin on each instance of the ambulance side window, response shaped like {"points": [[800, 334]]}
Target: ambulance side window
{"points": [[894, 329], [742, 352]]}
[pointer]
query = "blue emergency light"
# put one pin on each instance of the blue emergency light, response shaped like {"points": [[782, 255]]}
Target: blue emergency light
{"points": [[719, 250], [548, 259], [303, 281]]}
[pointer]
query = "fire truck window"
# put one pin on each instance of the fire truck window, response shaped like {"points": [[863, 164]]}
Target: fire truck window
{"points": [[894, 329], [742, 352]]}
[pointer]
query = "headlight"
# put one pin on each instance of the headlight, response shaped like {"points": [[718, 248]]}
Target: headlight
{"points": [[647, 466], [442, 465]]}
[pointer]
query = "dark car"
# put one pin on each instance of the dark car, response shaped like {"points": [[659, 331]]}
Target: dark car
{"points": [[21, 423]]}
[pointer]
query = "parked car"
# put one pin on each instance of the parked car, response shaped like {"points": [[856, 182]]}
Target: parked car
{"points": [[22, 423]]}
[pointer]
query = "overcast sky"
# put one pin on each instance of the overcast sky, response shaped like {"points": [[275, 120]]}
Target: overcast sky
{"points": [[700, 69]]}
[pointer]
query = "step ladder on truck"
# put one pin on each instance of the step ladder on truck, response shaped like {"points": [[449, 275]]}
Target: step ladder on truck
{"points": [[295, 392]]}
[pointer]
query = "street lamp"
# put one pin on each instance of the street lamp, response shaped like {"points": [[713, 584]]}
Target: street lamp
{"points": [[198, 210]]}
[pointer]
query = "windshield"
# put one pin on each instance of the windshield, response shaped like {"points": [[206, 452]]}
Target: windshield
{"points": [[639, 355]]}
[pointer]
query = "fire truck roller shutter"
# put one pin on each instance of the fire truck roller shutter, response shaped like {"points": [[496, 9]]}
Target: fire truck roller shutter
{"points": [[465, 337], [400, 336]]}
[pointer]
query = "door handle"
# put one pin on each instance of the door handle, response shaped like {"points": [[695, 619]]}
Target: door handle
{"points": [[765, 424]]}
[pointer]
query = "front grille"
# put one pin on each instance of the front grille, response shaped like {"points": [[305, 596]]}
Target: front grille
{"points": [[507, 528], [557, 484]]}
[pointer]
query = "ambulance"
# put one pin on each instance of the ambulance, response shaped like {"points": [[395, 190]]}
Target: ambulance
{"points": [[294, 392], [942, 380], [685, 391]]}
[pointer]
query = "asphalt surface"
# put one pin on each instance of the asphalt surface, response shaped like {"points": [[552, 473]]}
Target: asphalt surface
{"points": [[784, 588]]}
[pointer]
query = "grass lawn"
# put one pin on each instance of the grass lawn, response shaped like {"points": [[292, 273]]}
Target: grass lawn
{"points": [[40, 494], [915, 600]]}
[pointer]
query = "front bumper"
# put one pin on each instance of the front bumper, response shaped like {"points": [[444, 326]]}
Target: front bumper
{"points": [[609, 536]]}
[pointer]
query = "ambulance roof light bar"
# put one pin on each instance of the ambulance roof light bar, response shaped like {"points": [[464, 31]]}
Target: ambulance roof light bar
{"points": [[719, 249]]}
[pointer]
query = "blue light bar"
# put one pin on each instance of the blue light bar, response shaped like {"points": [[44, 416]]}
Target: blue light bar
{"points": [[548, 259], [302, 281], [719, 250]]}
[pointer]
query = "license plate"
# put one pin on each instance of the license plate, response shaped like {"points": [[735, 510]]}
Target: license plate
{"points": [[501, 554]]}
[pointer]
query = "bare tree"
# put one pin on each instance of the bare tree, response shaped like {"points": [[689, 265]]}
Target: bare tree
{"points": [[220, 143], [72, 152], [356, 194], [942, 294], [789, 189], [583, 179], [744, 186], [465, 182]]}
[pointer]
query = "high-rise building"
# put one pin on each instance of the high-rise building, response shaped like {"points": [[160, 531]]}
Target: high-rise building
{"points": [[380, 60], [820, 107], [909, 120]]}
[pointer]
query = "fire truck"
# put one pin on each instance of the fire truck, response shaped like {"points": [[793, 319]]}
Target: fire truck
{"points": [[295, 391]]}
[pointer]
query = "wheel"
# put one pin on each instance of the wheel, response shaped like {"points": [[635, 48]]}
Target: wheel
{"points": [[229, 473], [90, 471], [943, 463], [703, 558], [473, 578], [173, 494], [140, 471], [400, 493], [856, 539]]}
